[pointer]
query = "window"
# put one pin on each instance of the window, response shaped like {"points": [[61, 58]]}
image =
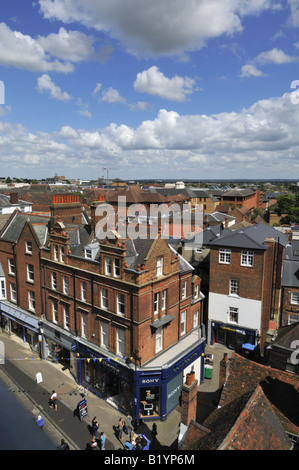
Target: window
{"points": [[120, 341], [108, 270], [195, 319], [65, 285], [11, 266], [84, 325], [163, 305], [83, 291], [13, 292], [62, 254], [196, 292], [156, 303], [234, 287], [2, 289], [295, 298], [159, 339], [55, 252], [66, 316], [120, 304], [116, 268], [183, 323], [31, 300], [293, 319], [233, 314], [55, 311], [28, 247], [160, 266], [54, 280], [88, 253], [104, 335], [224, 255], [184, 289], [247, 258], [30, 273], [104, 298]]}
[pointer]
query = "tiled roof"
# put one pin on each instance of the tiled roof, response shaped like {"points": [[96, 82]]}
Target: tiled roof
{"points": [[290, 276]]}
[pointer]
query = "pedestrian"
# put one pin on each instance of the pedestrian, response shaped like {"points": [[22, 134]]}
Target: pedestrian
{"points": [[93, 443], [40, 422], [95, 426], [154, 431], [85, 392], [128, 424], [102, 441], [120, 428], [53, 400], [63, 445]]}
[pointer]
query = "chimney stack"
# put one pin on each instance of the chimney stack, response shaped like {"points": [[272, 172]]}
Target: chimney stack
{"points": [[14, 197], [189, 399]]}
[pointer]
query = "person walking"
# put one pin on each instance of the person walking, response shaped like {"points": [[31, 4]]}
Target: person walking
{"points": [[53, 400], [95, 426], [93, 443], [40, 422], [120, 428], [102, 440], [128, 424]]}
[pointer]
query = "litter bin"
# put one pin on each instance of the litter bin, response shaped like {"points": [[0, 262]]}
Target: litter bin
{"points": [[208, 371]]}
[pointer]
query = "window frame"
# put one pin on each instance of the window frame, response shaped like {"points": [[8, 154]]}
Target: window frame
{"points": [[183, 323], [28, 247], [159, 340], [30, 273], [232, 311], [159, 266], [294, 302], [120, 303], [247, 258], [234, 289], [104, 298], [225, 255], [31, 300]]}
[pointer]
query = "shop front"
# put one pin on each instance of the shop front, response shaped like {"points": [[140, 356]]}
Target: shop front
{"points": [[233, 337], [58, 345], [18, 322]]}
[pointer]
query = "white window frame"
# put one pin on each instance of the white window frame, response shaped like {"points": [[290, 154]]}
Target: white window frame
{"points": [[108, 266], [295, 298], [55, 311], [225, 255], [159, 270], [31, 301], [55, 252], [120, 304], [54, 280], [28, 247], [84, 325], [183, 322], [159, 339], [65, 285], [2, 288], [88, 253], [83, 291], [13, 292], [104, 298], [163, 300], [66, 317], [156, 303], [184, 289], [120, 341], [247, 258], [234, 287], [11, 267], [232, 313], [195, 319], [30, 273], [196, 292], [116, 267], [61, 251], [105, 334]]}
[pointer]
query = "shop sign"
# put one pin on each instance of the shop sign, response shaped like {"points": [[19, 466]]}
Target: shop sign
{"points": [[82, 408], [174, 388]]}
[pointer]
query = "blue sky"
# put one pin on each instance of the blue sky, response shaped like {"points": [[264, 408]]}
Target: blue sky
{"points": [[204, 89]]}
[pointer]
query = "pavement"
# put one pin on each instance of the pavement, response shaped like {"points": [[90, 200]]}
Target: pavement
{"points": [[19, 375]]}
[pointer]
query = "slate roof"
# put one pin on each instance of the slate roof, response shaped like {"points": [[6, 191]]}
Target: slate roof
{"points": [[135, 195], [14, 229], [286, 335], [290, 277], [251, 237]]}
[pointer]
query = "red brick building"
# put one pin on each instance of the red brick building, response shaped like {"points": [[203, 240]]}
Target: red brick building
{"points": [[125, 315]]}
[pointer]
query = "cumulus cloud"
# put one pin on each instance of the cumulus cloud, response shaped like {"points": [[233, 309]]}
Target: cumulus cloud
{"points": [[274, 56], [45, 84], [24, 52], [150, 28], [153, 81], [250, 70]]}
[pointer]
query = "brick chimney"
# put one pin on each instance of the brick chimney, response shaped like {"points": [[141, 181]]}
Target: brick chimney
{"points": [[189, 399], [67, 208], [223, 370], [14, 197]]}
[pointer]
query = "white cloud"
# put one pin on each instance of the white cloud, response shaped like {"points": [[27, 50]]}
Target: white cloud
{"points": [[250, 70], [275, 56], [157, 27], [45, 84], [112, 96], [24, 52], [153, 81], [72, 46]]}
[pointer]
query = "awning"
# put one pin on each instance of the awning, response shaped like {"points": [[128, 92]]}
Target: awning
{"points": [[19, 315], [161, 322]]}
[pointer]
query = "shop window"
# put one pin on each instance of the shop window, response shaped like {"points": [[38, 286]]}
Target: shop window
{"points": [[150, 401]]}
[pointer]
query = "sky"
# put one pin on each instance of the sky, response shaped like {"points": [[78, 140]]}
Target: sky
{"points": [[133, 89]]}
